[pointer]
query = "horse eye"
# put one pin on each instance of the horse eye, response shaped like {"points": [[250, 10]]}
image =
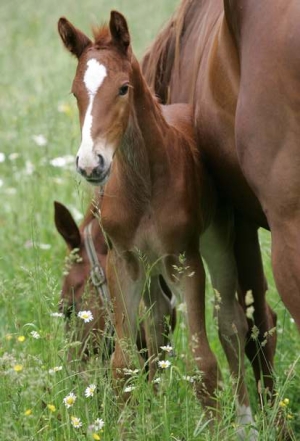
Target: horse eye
{"points": [[123, 90]]}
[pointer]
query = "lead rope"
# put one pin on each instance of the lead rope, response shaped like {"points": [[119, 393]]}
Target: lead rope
{"points": [[98, 278]]}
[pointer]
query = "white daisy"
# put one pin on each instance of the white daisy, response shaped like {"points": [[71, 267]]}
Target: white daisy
{"points": [[69, 400], [98, 424], [35, 334], [167, 348], [76, 422], [86, 316], [89, 391], [164, 364]]}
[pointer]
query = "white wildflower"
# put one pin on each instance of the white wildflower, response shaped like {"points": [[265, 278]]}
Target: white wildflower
{"points": [[76, 422], [69, 400], [55, 369], [57, 314], [98, 424], [129, 388], [35, 334], [164, 364], [62, 161], [167, 348], [40, 140], [130, 371], [188, 378], [90, 390], [86, 316]]}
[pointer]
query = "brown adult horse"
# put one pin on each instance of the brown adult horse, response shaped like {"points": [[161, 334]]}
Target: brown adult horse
{"points": [[158, 199], [85, 286], [224, 58], [237, 62]]}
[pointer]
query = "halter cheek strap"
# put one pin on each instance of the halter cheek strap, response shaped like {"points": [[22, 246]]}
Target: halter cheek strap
{"points": [[98, 279], [96, 273]]}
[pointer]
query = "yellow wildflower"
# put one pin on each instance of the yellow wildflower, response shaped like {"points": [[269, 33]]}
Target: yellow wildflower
{"points": [[51, 407], [28, 412], [21, 338], [18, 368]]}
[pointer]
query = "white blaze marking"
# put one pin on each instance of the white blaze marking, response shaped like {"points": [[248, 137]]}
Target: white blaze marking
{"points": [[93, 78]]}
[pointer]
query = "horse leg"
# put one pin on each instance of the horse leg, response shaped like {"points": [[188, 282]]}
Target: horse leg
{"points": [[159, 310], [125, 287], [190, 283], [217, 249], [286, 263], [261, 349]]}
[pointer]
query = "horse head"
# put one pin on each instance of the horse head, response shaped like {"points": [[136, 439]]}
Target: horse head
{"points": [[79, 290], [102, 89]]}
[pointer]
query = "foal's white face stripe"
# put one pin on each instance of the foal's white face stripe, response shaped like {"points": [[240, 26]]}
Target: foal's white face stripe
{"points": [[93, 78]]}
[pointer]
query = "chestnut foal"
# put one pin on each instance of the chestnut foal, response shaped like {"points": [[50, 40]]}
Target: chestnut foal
{"points": [[158, 200], [85, 287]]}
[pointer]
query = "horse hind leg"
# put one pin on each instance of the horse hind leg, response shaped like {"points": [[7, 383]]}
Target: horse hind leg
{"points": [[217, 249], [261, 336]]}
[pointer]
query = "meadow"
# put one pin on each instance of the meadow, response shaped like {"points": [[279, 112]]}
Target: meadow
{"points": [[39, 138]]}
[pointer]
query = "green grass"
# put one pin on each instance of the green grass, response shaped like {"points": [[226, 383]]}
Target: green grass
{"points": [[35, 79]]}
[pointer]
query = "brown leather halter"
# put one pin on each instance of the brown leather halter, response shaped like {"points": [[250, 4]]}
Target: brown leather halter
{"points": [[98, 279]]}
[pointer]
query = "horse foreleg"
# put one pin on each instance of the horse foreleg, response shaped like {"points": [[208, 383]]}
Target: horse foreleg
{"points": [[261, 345], [125, 292], [159, 315]]}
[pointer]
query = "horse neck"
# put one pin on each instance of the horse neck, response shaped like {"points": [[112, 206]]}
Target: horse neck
{"points": [[143, 148]]}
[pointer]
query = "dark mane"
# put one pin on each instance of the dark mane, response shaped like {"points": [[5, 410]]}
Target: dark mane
{"points": [[163, 56]]}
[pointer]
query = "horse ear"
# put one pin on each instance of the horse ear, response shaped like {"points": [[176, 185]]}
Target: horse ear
{"points": [[66, 226], [119, 30], [73, 39]]}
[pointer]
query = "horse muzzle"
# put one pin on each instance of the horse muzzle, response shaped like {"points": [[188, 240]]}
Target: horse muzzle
{"points": [[97, 175]]}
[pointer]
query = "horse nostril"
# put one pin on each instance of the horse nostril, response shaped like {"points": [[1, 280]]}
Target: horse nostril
{"points": [[77, 160], [101, 161]]}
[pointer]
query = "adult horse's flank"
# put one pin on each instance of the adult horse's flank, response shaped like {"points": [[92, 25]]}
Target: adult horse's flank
{"points": [[85, 286], [158, 200]]}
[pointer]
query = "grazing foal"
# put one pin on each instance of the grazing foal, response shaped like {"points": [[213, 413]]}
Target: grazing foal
{"points": [[85, 288], [84, 284], [158, 200]]}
